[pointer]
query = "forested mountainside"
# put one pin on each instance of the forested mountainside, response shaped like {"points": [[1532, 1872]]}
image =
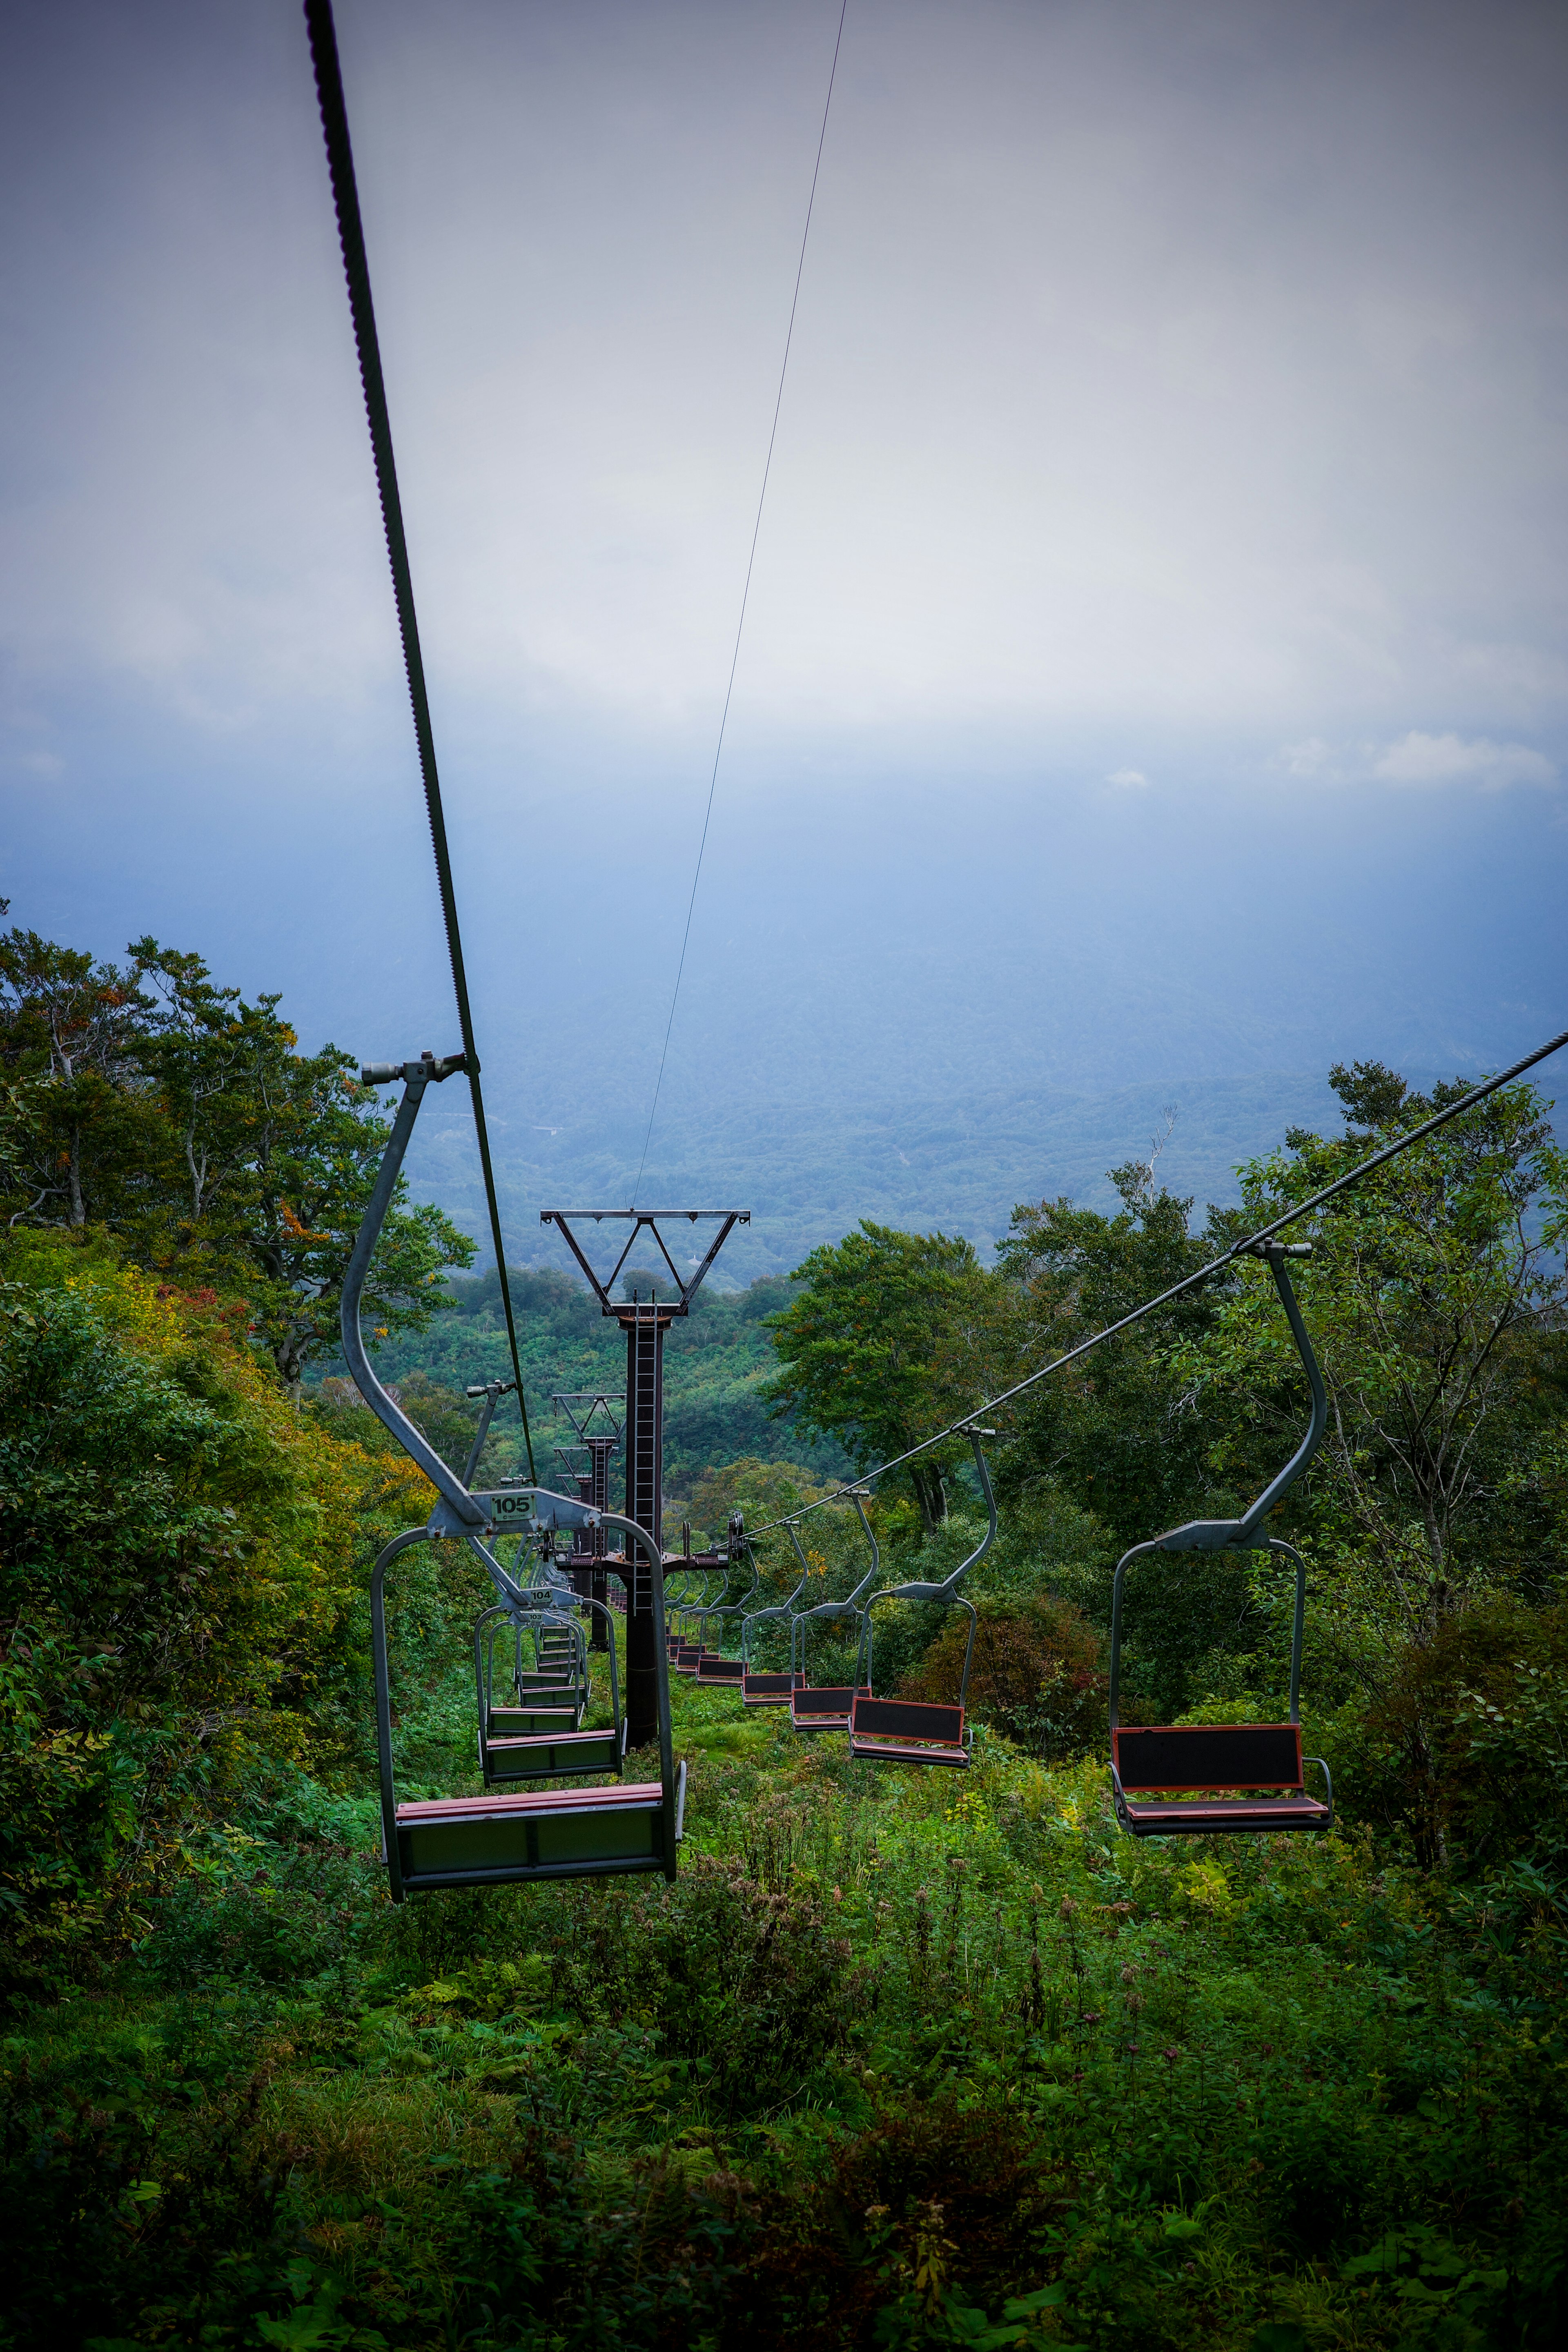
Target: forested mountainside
{"points": [[905, 2056], [716, 1362]]}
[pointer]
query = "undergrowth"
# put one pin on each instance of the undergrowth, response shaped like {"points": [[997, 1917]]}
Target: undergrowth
{"points": [[898, 2061]]}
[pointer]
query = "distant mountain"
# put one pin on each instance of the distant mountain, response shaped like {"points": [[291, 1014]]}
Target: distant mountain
{"points": [[809, 1170]]}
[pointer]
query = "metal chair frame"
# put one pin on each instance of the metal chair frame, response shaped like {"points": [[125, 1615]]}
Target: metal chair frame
{"points": [[491, 1840], [825, 1706], [1265, 1746], [875, 1727]]}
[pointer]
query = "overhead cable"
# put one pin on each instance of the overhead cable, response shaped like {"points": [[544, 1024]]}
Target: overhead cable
{"points": [[1188, 1282], [745, 595], [356, 269]]}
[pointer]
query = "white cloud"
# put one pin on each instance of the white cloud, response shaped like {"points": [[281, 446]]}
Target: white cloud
{"points": [[1419, 760], [1312, 758], [1128, 777]]}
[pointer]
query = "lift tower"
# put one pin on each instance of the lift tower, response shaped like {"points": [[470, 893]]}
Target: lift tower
{"points": [[645, 1322], [598, 1416]]}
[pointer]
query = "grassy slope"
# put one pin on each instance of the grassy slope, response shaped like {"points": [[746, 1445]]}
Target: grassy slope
{"points": [[894, 2053]]}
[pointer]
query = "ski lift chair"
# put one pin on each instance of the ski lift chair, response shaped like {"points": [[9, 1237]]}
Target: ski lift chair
{"points": [[497, 1838], [556, 1677], [515, 1745], [713, 1667], [770, 1689], [827, 1706], [915, 1731], [1197, 1779]]}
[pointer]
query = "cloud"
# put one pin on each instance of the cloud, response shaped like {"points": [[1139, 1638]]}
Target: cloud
{"points": [[1043, 463], [1419, 760], [1312, 758], [1129, 778]]}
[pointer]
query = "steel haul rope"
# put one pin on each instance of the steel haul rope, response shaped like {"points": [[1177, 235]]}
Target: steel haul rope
{"points": [[356, 269]]}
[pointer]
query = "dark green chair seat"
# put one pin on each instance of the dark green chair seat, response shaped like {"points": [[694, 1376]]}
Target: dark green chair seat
{"points": [[535, 1833], [766, 1690], [562, 1757], [532, 1722]]}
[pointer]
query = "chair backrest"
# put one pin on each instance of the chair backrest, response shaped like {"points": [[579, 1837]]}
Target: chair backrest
{"points": [[836, 1698], [1208, 1755], [903, 1718]]}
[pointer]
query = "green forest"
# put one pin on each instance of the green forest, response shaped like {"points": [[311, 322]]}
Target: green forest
{"points": [[901, 2058]]}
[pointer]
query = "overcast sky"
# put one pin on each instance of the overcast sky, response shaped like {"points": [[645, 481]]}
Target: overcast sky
{"points": [[1167, 513]]}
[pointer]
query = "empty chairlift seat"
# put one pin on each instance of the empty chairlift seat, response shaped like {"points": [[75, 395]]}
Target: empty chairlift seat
{"points": [[503, 1836], [1195, 1779], [907, 1731], [766, 1690], [920, 1731], [537, 1833], [825, 1708]]}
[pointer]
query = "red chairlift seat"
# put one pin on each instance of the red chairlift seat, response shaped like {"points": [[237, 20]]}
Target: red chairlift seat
{"points": [[711, 1668], [766, 1690], [1189, 1780], [907, 1731], [922, 1731]]}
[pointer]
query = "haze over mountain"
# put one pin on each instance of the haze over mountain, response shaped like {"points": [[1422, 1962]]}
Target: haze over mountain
{"points": [[1152, 686]]}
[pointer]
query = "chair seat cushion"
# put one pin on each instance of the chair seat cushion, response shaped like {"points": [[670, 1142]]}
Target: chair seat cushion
{"points": [[1228, 1812]]}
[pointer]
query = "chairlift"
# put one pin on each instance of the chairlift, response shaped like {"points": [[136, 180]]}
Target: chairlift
{"points": [[827, 1706], [713, 1667], [769, 1689], [915, 1731], [497, 1839], [1197, 1779], [530, 1742]]}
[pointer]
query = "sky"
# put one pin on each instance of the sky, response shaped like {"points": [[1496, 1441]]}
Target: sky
{"points": [[1153, 671]]}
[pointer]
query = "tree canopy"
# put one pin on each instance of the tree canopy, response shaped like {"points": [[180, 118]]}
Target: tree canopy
{"points": [[861, 1347], [149, 1101]]}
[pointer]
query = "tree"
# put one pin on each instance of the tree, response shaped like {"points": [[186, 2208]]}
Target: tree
{"points": [[79, 1129], [188, 1122], [1435, 1297], [1116, 1431], [860, 1348]]}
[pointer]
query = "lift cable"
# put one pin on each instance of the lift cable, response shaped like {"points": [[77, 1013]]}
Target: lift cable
{"points": [[745, 593], [1189, 1282], [356, 269]]}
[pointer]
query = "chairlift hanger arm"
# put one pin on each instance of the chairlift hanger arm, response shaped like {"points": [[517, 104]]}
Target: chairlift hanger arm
{"points": [[416, 1076], [1215, 1266], [493, 1392], [1220, 1535]]}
